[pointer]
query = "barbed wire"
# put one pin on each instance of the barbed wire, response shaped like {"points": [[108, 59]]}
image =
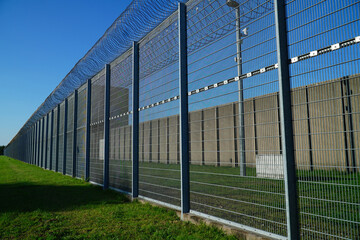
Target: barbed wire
{"points": [[139, 18]]}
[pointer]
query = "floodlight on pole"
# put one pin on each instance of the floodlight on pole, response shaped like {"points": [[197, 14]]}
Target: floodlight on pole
{"points": [[234, 4]]}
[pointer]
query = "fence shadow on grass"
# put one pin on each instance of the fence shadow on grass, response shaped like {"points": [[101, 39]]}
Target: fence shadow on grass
{"points": [[25, 197]]}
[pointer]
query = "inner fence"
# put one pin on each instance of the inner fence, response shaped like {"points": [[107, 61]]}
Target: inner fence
{"points": [[273, 137]]}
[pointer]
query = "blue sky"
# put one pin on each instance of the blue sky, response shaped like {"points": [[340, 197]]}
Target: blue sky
{"points": [[40, 41]]}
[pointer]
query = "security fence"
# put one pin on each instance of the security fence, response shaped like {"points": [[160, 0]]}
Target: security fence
{"points": [[244, 112]]}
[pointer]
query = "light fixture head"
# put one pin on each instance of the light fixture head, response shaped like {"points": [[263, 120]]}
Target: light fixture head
{"points": [[232, 3]]}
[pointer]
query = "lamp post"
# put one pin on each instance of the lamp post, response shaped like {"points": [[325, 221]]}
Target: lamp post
{"points": [[236, 6]]}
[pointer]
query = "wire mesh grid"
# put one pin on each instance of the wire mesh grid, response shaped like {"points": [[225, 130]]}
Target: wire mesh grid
{"points": [[35, 144], [97, 128], [24, 151], [31, 145], [38, 144], [48, 145], [27, 143], [27, 146], [159, 156], [120, 175], [61, 137], [24, 139], [81, 131], [234, 127], [44, 150], [37, 147], [69, 135], [325, 93], [54, 140], [42, 142]]}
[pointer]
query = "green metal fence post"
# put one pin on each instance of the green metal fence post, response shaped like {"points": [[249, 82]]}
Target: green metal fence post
{"points": [[286, 122]]}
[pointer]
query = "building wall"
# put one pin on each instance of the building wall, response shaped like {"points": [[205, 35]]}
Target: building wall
{"points": [[214, 132]]}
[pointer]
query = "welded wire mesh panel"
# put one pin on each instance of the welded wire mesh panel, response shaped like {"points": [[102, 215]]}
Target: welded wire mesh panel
{"points": [[48, 150], [32, 129], [236, 160], [13, 149], [36, 143], [97, 128], [31, 156], [40, 142], [33, 144], [41, 146], [20, 142], [32, 139], [17, 143], [26, 155], [43, 141], [325, 99], [69, 135], [29, 145], [23, 141], [120, 172], [159, 156], [54, 138], [61, 137], [81, 131], [23, 153], [26, 140]]}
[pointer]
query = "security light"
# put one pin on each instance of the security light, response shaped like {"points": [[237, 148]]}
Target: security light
{"points": [[232, 3]]}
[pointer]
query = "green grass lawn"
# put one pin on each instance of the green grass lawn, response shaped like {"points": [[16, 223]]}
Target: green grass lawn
{"points": [[40, 204], [329, 200]]}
